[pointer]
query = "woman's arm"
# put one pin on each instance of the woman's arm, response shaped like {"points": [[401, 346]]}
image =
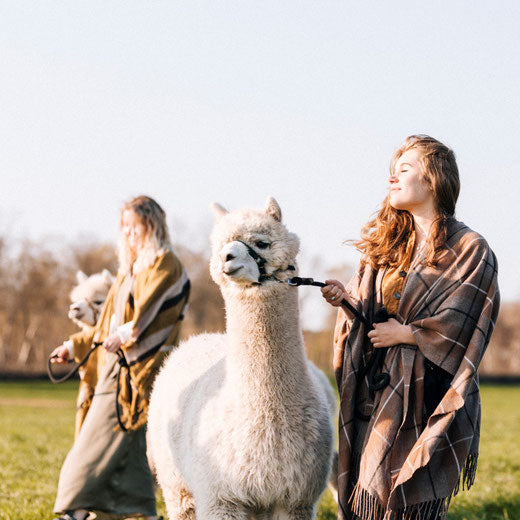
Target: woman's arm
{"points": [[391, 333]]}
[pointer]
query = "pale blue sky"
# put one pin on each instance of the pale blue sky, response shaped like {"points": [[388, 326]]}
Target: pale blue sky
{"points": [[192, 102]]}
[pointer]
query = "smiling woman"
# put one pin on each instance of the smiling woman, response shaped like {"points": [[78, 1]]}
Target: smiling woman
{"points": [[408, 442]]}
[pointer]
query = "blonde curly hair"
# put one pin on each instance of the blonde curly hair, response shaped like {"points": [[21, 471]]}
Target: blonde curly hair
{"points": [[156, 240]]}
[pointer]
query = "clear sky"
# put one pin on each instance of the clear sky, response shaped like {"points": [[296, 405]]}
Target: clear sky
{"points": [[192, 102]]}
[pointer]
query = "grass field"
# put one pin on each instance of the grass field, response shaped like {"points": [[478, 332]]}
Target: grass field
{"points": [[36, 430]]}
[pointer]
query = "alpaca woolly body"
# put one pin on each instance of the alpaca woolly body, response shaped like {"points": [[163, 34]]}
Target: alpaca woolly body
{"points": [[239, 423]]}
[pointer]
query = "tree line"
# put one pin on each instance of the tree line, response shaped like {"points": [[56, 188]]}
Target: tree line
{"points": [[36, 279]]}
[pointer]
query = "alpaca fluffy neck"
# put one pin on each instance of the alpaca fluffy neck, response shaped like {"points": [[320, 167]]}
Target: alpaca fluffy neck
{"points": [[266, 361]]}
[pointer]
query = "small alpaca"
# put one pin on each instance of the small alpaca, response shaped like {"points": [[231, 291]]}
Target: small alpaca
{"points": [[87, 300], [239, 423], [88, 297]]}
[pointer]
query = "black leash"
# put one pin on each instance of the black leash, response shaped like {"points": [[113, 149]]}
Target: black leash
{"points": [[122, 363], [296, 281], [375, 381], [122, 360], [74, 371]]}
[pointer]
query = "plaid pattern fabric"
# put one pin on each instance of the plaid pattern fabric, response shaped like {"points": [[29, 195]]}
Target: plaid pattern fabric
{"points": [[406, 461]]}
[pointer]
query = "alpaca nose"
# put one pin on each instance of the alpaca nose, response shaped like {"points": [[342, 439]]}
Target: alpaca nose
{"points": [[230, 257]]}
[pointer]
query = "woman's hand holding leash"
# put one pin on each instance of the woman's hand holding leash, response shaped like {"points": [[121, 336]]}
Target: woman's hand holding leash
{"points": [[386, 334], [333, 292], [60, 355], [391, 333], [112, 343]]}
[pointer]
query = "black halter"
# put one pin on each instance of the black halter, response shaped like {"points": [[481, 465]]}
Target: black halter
{"points": [[376, 381], [260, 262]]}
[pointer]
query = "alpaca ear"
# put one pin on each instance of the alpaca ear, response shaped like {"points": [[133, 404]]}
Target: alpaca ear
{"points": [[81, 277], [218, 211], [273, 209], [107, 276]]}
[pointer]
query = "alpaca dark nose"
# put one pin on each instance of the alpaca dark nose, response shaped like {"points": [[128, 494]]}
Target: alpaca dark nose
{"points": [[230, 257]]}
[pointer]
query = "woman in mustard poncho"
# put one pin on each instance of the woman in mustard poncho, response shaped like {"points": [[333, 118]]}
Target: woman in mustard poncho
{"points": [[409, 431], [106, 470]]}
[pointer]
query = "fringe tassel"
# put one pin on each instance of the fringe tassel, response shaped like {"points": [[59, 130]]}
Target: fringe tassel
{"points": [[468, 473], [367, 507], [433, 510]]}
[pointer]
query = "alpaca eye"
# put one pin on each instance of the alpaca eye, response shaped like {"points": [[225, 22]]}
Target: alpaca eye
{"points": [[98, 302], [262, 245]]}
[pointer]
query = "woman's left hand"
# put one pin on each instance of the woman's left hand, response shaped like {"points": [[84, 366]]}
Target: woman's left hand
{"points": [[391, 333], [112, 343]]}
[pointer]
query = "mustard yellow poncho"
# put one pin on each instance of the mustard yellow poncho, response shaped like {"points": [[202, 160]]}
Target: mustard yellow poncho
{"points": [[152, 307]]}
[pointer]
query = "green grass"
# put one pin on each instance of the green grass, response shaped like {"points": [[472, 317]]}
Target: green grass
{"points": [[496, 493], [36, 430]]}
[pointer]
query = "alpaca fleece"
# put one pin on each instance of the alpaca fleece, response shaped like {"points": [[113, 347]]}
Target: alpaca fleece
{"points": [[239, 424]]}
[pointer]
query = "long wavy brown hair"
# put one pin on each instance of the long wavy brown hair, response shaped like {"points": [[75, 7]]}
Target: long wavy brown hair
{"points": [[157, 239], [384, 239]]}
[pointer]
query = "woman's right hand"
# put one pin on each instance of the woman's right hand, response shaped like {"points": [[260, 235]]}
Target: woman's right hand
{"points": [[60, 355], [333, 292]]}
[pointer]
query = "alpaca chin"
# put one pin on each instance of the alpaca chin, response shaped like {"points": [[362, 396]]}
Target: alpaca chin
{"points": [[81, 324]]}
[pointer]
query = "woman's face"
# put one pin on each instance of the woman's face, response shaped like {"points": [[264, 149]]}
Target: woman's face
{"points": [[408, 189], [133, 229]]}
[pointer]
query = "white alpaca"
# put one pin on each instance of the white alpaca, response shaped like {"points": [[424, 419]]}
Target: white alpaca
{"points": [[239, 423], [88, 297]]}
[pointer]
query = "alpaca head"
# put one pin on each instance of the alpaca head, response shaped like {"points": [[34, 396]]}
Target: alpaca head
{"points": [[233, 266], [88, 297]]}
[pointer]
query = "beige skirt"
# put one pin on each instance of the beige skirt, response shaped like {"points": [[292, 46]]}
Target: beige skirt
{"points": [[106, 470]]}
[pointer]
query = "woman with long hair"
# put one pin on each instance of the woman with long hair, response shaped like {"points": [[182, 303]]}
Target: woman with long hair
{"points": [[106, 470], [406, 366]]}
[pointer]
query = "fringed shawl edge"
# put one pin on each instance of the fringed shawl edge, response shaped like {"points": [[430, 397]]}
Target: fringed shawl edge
{"points": [[367, 507]]}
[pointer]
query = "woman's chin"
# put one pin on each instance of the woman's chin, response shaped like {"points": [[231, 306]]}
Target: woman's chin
{"points": [[399, 205]]}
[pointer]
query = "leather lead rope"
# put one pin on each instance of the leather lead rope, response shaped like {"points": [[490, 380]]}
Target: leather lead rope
{"points": [[375, 381], [122, 364], [74, 371], [296, 281]]}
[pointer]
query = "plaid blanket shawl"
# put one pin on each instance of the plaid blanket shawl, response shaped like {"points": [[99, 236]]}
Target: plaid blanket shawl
{"points": [[421, 441]]}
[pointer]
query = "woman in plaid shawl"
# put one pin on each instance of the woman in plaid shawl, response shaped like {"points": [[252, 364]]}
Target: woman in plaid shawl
{"points": [[106, 469], [406, 447]]}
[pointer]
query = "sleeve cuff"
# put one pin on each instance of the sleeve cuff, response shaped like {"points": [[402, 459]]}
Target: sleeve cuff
{"points": [[70, 347], [125, 331]]}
